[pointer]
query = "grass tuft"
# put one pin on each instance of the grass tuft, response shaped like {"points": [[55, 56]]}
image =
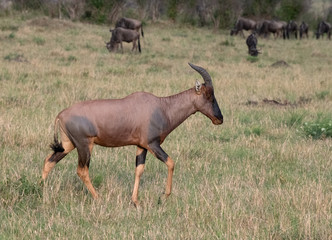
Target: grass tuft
{"points": [[39, 41]]}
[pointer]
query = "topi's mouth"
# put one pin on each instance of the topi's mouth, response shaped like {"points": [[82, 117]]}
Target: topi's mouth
{"points": [[217, 121]]}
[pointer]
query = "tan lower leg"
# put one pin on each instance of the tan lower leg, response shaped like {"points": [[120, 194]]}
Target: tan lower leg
{"points": [[47, 167], [83, 173], [138, 173], [170, 165]]}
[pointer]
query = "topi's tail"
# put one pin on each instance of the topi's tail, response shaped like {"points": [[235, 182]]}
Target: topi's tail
{"points": [[56, 146]]}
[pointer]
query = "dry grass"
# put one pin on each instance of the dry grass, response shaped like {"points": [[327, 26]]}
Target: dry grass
{"points": [[255, 177]]}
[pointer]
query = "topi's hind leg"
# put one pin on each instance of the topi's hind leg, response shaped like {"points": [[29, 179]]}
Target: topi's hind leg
{"points": [[50, 162], [52, 159], [84, 154]]}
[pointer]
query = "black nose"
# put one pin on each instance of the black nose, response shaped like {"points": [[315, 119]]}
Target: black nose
{"points": [[221, 119], [219, 115]]}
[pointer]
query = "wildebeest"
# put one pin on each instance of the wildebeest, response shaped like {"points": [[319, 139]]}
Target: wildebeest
{"points": [[120, 35], [252, 44], [304, 28], [243, 23], [130, 23], [140, 119], [291, 28], [323, 27], [272, 26]]}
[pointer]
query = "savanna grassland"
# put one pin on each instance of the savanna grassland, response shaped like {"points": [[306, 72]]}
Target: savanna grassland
{"points": [[263, 174]]}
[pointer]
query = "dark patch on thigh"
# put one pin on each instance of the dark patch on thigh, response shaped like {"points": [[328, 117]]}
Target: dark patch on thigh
{"points": [[80, 129], [80, 125], [140, 159], [83, 156]]}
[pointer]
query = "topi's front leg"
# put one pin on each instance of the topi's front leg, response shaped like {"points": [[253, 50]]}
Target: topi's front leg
{"points": [[140, 163], [170, 164], [161, 155]]}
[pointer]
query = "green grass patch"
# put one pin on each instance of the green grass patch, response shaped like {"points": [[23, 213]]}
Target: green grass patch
{"points": [[228, 43], [39, 41], [294, 118], [252, 59], [320, 128]]}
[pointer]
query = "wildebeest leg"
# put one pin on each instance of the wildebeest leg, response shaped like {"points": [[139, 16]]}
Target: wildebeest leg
{"points": [[84, 153], [140, 163], [134, 45], [121, 46], [52, 159], [242, 34], [139, 45], [161, 155]]}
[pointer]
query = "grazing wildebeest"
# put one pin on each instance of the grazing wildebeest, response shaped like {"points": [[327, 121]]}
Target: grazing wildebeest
{"points": [[120, 35], [140, 119], [243, 23], [252, 44], [323, 27], [304, 28], [291, 28], [275, 27], [130, 23]]}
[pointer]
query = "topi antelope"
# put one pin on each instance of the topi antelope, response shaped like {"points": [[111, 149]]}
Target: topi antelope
{"points": [[140, 119]]}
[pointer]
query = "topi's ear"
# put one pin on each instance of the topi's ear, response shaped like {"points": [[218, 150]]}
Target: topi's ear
{"points": [[198, 87]]}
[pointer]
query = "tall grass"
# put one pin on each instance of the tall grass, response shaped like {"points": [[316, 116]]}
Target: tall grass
{"points": [[257, 176]]}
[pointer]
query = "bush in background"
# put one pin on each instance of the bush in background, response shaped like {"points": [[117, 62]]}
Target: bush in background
{"points": [[319, 129], [216, 13]]}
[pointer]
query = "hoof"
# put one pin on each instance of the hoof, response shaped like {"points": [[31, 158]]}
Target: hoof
{"points": [[162, 198], [41, 182], [135, 204]]}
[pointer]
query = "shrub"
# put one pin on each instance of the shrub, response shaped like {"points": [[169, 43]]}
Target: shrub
{"points": [[319, 129]]}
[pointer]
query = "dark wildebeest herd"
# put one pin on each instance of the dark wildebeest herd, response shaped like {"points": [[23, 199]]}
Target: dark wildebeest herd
{"points": [[278, 28], [127, 30]]}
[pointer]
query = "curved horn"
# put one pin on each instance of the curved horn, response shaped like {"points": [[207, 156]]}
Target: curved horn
{"points": [[205, 75]]}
